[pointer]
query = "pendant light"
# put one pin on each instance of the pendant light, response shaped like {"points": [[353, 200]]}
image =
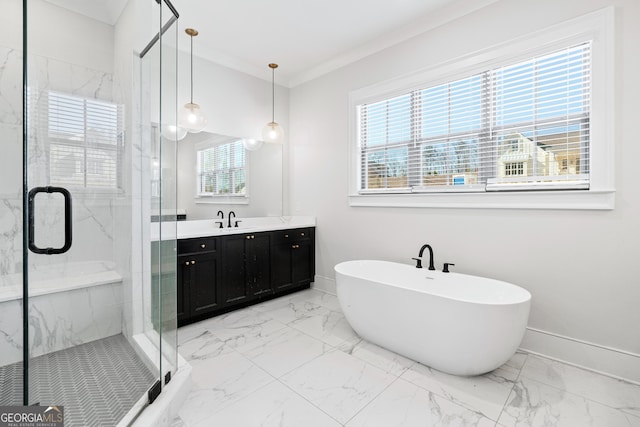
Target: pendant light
{"points": [[252, 144], [173, 132], [273, 132], [190, 116]]}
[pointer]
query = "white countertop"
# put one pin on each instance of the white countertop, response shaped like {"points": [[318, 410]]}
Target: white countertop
{"points": [[208, 227]]}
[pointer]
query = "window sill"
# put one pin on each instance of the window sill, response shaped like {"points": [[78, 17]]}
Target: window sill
{"points": [[222, 200], [562, 200]]}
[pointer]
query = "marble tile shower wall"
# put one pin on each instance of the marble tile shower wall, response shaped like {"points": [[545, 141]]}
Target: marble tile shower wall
{"points": [[61, 320], [93, 212]]}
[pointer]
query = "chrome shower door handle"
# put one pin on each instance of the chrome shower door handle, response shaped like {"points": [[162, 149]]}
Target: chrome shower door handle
{"points": [[67, 220]]}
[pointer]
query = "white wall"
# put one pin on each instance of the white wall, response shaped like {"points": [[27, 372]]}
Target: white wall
{"points": [[236, 104], [580, 266]]}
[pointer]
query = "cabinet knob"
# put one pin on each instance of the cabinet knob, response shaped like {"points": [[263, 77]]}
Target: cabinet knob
{"points": [[286, 235], [186, 263], [295, 246], [248, 237], [193, 262], [203, 246], [253, 237], [302, 234]]}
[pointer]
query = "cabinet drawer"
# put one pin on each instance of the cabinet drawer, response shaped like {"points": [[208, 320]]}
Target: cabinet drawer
{"points": [[200, 244], [294, 235]]}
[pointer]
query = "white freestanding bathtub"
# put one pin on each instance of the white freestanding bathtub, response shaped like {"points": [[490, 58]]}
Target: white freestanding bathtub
{"points": [[455, 323]]}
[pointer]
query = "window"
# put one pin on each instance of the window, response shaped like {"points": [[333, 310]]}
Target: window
{"points": [[481, 131], [516, 168], [222, 170], [85, 141], [494, 128]]}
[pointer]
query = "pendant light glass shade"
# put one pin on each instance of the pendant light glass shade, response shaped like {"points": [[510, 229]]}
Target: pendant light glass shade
{"points": [[173, 132], [272, 132], [252, 144], [191, 117]]}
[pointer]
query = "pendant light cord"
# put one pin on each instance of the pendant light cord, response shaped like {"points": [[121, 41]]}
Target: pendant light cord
{"points": [[273, 95], [191, 68]]}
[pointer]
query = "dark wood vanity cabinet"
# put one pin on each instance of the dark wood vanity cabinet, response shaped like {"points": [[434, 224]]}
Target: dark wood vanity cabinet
{"points": [[198, 278], [293, 258], [245, 267], [223, 273]]}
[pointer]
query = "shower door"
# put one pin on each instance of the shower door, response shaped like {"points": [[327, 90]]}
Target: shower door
{"points": [[82, 354], [75, 305], [12, 326]]}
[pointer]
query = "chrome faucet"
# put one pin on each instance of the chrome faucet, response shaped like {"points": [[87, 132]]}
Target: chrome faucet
{"points": [[229, 218], [419, 259]]}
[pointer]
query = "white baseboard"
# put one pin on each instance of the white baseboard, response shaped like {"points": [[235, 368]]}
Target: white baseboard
{"points": [[325, 284], [602, 359]]}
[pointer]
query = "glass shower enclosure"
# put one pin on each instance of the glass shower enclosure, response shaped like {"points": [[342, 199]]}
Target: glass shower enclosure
{"points": [[87, 281]]}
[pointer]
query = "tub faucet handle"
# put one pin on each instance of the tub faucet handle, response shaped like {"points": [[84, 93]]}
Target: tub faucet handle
{"points": [[445, 269], [418, 262]]}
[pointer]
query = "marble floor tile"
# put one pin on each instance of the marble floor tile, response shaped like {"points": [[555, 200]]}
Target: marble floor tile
{"points": [[328, 326], [240, 327], [295, 361], [320, 298], [204, 346], [512, 368], [379, 357], [534, 404], [600, 388], [274, 405], [283, 350], [404, 404], [225, 379], [485, 394], [287, 311], [197, 407], [189, 332], [337, 383]]}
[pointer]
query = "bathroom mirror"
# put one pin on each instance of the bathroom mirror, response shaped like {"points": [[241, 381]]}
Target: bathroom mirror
{"points": [[258, 189]]}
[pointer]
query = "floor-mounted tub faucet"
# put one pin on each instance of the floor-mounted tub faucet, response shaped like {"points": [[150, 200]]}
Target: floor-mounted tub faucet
{"points": [[419, 259]]}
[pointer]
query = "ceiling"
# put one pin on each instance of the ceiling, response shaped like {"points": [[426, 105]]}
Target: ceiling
{"points": [[306, 38]]}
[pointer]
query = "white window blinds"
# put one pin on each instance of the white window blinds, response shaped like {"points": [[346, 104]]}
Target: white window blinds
{"points": [[222, 170], [521, 126], [85, 141]]}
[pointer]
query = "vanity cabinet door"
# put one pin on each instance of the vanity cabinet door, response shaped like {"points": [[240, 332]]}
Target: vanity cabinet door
{"points": [[302, 266], [281, 263], [246, 267], [204, 290], [198, 293], [258, 264], [234, 275], [184, 286], [293, 259]]}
